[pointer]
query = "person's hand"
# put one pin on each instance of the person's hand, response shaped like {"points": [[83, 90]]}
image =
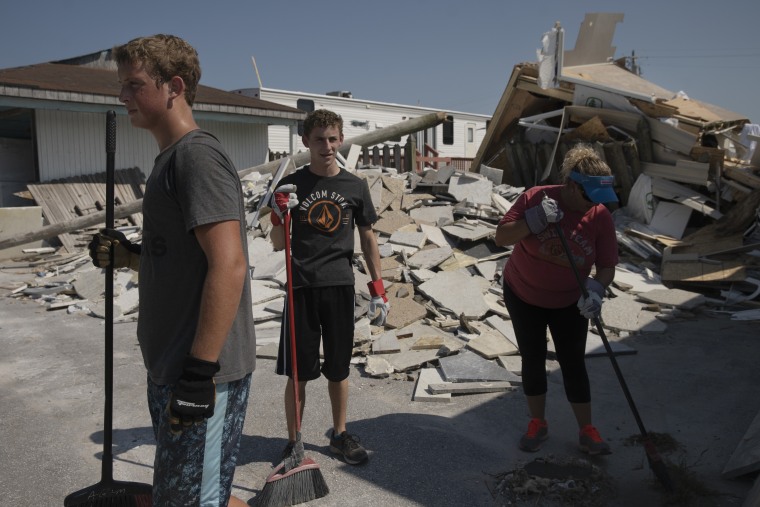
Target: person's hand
{"points": [[539, 217], [283, 199], [591, 306], [378, 305], [194, 394], [110, 247]]}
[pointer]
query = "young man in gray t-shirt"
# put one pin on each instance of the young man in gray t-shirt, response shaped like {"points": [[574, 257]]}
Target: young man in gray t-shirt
{"points": [[195, 325]]}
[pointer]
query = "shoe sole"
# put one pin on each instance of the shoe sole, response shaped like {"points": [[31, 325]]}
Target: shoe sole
{"points": [[537, 447], [595, 453], [336, 450]]}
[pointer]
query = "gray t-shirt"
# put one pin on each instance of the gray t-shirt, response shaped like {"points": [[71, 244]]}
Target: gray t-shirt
{"points": [[193, 183]]}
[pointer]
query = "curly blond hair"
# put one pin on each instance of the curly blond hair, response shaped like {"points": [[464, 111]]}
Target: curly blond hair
{"points": [[583, 159], [164, 56]]}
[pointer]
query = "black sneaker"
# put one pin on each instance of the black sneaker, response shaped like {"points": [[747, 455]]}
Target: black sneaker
{"points": [[348, 446]]}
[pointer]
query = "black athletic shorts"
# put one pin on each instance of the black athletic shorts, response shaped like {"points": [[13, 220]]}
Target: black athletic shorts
{"points": [[322, 315]]}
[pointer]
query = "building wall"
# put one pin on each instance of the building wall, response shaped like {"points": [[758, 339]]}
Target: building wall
{"points": [[73, 143], [360, 117]]}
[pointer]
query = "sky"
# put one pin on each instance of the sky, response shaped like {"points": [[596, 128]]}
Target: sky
{"points": [[443, 54]]}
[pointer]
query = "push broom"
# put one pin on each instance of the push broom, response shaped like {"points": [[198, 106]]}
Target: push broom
{"points": [[656, 462], [297, 479], [108, 492]]}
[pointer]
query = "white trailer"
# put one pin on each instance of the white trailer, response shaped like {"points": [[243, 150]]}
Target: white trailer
{"points": [[459, 137]]}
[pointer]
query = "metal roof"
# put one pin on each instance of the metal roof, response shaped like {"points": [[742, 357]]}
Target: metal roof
{"points": [[74, 83]]}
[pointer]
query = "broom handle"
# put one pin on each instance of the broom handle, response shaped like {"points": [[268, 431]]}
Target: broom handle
{"points": [[107, 464], [600, 330], [291, 322]]}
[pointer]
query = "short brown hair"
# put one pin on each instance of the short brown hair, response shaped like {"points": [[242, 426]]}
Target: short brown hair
{"points": [[322, 118], [164, 56], [584, 159]]}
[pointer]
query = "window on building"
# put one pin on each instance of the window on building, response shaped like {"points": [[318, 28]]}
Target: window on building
{"points": [[448, 130], [470, 134], [307, 106]]}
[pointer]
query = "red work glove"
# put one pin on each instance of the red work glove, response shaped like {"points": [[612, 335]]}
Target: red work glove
{"points": [[379, 303], [283, 199]]}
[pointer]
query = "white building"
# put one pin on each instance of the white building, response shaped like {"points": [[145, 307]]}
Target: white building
{"points": [[458, 138]]}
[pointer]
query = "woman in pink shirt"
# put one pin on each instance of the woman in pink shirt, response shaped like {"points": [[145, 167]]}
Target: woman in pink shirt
{"points": [[540, 289]]}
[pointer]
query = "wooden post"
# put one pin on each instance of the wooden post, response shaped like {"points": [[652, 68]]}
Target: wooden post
{"points": [[410, 155], [397, 158], [386, 155], [375, 155]]}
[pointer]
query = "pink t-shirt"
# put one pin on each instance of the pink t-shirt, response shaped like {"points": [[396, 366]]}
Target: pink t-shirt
{"points": [[538, 271]]}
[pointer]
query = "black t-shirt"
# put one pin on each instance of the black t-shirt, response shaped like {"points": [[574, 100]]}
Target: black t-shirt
{"points": [[322, 243]]}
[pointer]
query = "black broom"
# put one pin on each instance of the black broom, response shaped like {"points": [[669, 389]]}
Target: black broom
{"points": [[297, 479], [108, 492], [656, 462]]}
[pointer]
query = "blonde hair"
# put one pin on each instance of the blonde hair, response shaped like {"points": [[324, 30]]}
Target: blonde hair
{"points": [[164, 56], [583, 159]]}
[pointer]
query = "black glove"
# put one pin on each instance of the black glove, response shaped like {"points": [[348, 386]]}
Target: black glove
{"points": [[194, 394], [110, 247]]}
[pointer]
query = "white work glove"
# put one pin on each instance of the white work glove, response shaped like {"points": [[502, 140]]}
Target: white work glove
{"points": [[379, 303], [283, 199], [539, 217], [591, 306]]}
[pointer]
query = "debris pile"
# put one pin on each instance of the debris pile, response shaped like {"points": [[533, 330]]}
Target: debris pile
{"points": [[448, 329]]}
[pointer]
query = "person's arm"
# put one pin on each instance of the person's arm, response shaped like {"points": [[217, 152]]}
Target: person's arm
{"points": [[509, 233], [222, 288], [605, 276], [370, 250]]}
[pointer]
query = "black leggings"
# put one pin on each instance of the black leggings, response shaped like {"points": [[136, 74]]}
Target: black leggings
{"points": [[568, 329]]}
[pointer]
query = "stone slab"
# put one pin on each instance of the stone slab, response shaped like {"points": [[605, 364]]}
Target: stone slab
{"points": [[429, 342], [504, 327], [429, 258], [386, 343], [467, 299], [468, 231], [432, 214], [391, 221], [491, 345], [470, 367], [471, 187], [434, 235], [470, 387], [426, 377], [377, 367], [678, 298]]}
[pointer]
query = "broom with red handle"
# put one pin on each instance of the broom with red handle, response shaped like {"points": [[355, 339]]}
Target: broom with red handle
{"points": [[108, 492], [297, 479]]}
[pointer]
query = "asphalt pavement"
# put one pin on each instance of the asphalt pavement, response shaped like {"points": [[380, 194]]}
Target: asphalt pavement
{"points": [[696, 382]]}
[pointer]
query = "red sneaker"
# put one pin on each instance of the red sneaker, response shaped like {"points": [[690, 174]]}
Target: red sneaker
{"points": [[591, 443], [538, 431]]}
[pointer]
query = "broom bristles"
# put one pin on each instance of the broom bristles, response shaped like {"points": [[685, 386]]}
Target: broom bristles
{"points": [[298, 485]]}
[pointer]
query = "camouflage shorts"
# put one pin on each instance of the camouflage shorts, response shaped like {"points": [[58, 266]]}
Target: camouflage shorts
{"points": [[196, 466]]}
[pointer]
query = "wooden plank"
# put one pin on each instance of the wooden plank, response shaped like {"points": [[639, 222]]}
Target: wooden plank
{"points": [[742, 176]]}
